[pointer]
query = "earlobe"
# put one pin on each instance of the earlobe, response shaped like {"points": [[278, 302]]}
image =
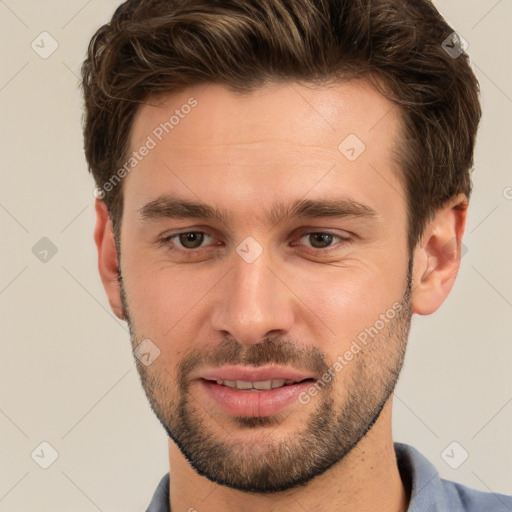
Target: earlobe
{"points": [[107, 258], [437, 258]]}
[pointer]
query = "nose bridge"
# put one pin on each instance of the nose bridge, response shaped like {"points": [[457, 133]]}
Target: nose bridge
{"points": [[254, 301]]}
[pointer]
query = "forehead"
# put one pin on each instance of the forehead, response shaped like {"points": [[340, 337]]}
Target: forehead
{"points": [[307, 113], [276, 141]]}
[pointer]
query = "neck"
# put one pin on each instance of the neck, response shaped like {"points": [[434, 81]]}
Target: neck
{"points": [[366, 479]]}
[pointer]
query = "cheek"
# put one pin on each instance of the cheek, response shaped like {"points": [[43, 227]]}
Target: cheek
{"points": [[351, 298], [165, 301], [151, 297]]}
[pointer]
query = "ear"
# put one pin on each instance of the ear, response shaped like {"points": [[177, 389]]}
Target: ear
{"points": [[107, 257], [437, 257]]}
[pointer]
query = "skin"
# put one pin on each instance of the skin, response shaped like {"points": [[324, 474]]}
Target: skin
{"points": [[289, 306]]}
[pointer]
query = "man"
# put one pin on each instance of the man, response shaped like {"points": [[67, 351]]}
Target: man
{"points": [[281, 185]]}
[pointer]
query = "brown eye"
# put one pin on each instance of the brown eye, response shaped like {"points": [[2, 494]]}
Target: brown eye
{"points": [[191, 240], [320, 240], [188, 243]]}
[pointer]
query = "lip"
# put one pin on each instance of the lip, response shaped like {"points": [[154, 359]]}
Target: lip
{"points": [[252, 374], [237, 402]]}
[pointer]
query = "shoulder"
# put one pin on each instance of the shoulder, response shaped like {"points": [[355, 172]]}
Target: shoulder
{"points": [[430, 493], [472, 500], [160, 499]]}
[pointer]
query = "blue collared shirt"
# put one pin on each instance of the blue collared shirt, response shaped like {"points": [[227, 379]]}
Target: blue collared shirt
{"points": [[429, 492]]}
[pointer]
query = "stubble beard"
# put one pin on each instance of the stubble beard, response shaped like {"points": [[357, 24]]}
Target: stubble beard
{"points": [[273, 463]]}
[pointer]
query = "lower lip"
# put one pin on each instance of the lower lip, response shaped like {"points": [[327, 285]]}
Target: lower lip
{"points": [[254, 403]]}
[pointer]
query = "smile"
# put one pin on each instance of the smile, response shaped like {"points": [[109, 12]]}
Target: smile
{"points": [[263, 385]]}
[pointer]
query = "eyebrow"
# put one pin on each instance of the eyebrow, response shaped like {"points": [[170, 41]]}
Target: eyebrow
{"points": [[168, 206]]}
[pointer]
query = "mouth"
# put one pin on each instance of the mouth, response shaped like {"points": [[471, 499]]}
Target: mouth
{"points": [[261, 385], [250, 391]]}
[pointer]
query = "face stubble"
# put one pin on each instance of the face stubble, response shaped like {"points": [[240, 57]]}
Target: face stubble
{"points": [[329, 433]]}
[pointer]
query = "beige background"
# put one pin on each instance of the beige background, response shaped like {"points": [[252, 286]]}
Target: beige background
{"points": [[66, 373]]}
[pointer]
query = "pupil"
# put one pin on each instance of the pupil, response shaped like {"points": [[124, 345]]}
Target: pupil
{"points": [[321, 237], [191, 240]]}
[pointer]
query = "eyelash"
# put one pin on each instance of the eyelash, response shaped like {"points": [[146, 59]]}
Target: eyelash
{"points": [[167, 242]]}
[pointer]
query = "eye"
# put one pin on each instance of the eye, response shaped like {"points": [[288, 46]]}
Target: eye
{"points": [[322, 240], [319, 240], [192, 239], [187, 240]]}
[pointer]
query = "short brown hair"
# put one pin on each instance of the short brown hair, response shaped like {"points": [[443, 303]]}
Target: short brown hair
{"points": [[151, 47]]}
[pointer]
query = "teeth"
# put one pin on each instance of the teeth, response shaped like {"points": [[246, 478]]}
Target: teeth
{"points": [[260, 385], [241, 384]]}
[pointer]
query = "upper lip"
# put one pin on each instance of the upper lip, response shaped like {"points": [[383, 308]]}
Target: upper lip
{"points": [[252, 374]]}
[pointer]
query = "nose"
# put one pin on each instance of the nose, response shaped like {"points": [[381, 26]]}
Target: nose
{"points": [[253, 301]]}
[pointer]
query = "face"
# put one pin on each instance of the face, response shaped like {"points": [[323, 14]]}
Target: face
{"points": [[264, 238]]}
